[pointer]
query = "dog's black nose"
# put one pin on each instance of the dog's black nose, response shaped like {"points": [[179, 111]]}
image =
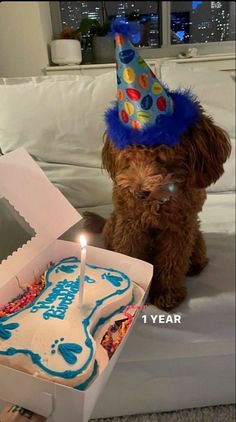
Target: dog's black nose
{"points": [[141, 194]]}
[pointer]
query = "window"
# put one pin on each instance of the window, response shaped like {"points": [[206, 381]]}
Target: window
{"points": [[72, 12], [145, 13], [169, 26], [15, 231], [201, 21]]}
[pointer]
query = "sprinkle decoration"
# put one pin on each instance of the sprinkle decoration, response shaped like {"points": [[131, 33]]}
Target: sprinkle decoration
{"points": [[24, 299], [115, 335]]}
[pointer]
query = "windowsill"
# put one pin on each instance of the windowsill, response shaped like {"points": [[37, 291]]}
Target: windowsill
{"points": [[206, 58], [88, 66], [80, 66], [202, 58]]}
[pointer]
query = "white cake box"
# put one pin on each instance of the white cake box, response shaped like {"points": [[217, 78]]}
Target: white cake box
{"points": [[27, 189]]}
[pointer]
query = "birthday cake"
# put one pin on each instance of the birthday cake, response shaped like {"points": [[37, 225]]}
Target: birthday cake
{"points": [[51, 337]]}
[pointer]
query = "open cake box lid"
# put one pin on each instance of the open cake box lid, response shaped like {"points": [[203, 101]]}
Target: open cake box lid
{"points": [[25, 188]]}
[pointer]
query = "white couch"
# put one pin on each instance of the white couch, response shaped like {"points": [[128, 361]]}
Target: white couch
{"points": [[59, 120]]}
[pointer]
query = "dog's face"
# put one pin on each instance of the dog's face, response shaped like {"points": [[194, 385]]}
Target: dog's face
{"points": [[156, 173], [147, 173]]}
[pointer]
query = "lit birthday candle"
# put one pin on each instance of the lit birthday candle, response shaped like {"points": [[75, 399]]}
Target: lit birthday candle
{"points": [[83, 244]]}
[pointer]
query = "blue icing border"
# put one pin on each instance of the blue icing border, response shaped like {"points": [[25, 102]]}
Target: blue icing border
{"points": [[103, 320], [36, 358], [86, 383]]}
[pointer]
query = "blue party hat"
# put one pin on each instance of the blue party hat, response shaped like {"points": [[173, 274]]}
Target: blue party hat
{"points": [[146, 112]]}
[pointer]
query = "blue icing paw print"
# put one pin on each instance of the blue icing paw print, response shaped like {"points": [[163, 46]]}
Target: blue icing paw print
{"points": [[69, 269], [5, 330], [114, 279], [68, 351]]}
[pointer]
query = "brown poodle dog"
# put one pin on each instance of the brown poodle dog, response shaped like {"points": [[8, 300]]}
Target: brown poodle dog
{"points": [[158, 192]]}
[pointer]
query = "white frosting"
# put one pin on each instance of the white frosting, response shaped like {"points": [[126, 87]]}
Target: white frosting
{"points": [[52, 338]]}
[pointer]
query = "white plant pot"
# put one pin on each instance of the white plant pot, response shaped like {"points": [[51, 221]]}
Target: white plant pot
{"points": [[66, 52]]}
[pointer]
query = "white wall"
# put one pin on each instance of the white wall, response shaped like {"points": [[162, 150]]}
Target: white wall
{"points": [[25, 31]]}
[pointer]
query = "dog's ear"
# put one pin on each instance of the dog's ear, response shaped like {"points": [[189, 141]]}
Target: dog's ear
{"points": [[207, 147], [109, 157]]}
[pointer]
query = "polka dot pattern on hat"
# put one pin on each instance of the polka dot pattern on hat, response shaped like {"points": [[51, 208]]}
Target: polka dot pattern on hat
{"points": [[141, 96]]}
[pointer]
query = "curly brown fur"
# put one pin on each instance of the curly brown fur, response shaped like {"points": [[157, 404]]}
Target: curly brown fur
{"points": [[93, 222], [153, 224]]}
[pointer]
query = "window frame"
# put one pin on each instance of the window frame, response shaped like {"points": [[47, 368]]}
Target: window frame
{"points": [[166, 49]]}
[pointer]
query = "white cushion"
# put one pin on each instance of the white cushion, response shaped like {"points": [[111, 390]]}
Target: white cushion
{"points": [[59, 121], [216, 92]]}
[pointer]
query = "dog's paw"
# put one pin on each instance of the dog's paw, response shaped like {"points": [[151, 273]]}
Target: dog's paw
{"points": [[170, 298]]}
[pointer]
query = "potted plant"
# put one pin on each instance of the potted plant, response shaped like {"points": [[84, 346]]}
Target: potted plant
{"points": [[103, 44], [70, 34], [97, 45], [87, 29], [67, 49]]}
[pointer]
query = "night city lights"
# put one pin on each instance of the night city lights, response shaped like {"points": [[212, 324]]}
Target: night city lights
{"points": [[191, 21]]}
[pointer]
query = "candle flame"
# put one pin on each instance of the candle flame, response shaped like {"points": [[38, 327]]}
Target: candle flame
{"points": [[83, 241]]}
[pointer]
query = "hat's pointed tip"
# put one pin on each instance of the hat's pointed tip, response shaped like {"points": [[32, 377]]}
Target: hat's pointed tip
{"points": [[123, 27]]}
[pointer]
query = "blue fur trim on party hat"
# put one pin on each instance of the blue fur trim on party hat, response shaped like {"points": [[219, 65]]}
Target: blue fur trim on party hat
{"points": [[167, 130], [124, 28]]}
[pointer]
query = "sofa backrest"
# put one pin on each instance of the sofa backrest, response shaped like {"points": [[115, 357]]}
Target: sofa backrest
{"points": [[216, 91], [59, 121]]}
